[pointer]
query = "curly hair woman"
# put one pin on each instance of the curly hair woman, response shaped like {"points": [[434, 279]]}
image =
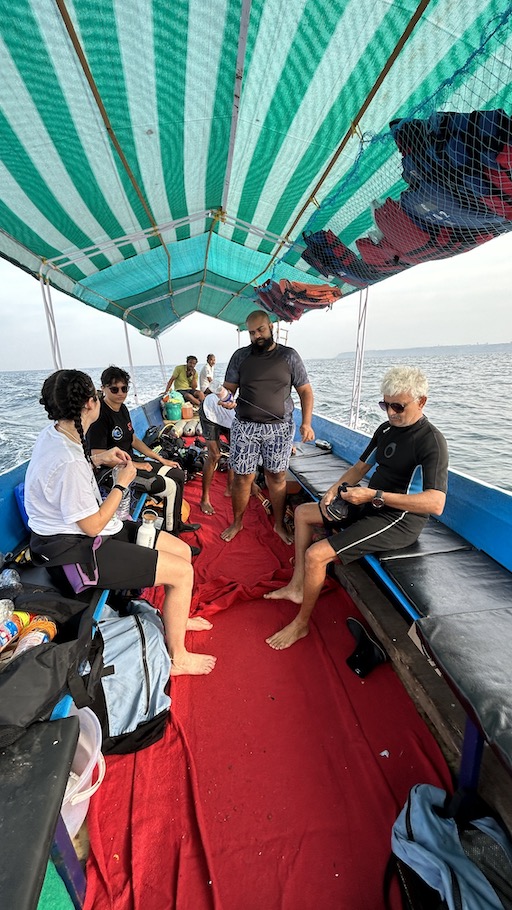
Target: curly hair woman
{"points": [[70, 523]]}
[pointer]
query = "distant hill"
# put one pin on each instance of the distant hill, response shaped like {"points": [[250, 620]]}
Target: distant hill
{"points": [[441, 350]]}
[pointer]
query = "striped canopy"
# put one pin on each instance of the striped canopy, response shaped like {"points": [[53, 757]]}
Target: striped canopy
{"points": [[163, 157]]}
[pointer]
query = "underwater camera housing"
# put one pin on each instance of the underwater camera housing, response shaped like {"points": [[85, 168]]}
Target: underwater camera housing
{"points": [[338, 508]]}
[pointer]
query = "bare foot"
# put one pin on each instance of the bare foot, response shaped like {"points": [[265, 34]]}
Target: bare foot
{"points": [[231, 532], [284, 533], [287, 636], [198, 624], [193, 665], [207, 508], [227, 491], [286, 593]]}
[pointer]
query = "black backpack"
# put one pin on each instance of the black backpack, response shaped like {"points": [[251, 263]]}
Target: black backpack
{"points": [[32, 684]]}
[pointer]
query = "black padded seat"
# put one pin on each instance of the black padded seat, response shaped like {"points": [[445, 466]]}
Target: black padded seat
{"points": [[472, 650], [435, 538], [315, 469], [452, 582], [34, 772]]}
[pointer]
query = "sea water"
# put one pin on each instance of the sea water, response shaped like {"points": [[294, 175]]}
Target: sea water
{"points": [[469, 401]]}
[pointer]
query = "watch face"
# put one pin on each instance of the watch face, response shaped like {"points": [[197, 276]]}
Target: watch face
{"points": [[377, 502]]}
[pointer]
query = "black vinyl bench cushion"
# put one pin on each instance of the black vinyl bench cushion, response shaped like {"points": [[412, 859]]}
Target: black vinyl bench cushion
{"points": [[472, 650], [315, 469], [439, 584], [435, 538], [34, 772]]}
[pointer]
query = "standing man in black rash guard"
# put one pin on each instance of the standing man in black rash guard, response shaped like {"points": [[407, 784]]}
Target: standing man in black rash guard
{"points": [[264, 372], [159, 476], [409, 484]]}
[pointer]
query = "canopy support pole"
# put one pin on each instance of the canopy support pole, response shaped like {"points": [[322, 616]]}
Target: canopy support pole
{"points": [[161, 360], [130, 361], [50, 321], [359, 360]]}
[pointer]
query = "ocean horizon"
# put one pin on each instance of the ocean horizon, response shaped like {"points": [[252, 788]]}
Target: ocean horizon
{"points": [[469, 401]]}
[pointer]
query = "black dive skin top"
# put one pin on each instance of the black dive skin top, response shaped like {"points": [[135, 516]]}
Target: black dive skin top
{"points": [[265, 381], [409, 459]]}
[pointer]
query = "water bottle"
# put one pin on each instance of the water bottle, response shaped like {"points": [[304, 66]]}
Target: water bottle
{"points": [[220, 391], [38, 632], [123, 509], [10, 628], [10, 584], [147, 532], [6, 609]]}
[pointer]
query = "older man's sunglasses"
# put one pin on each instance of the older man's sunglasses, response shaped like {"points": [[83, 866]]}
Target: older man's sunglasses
{"points": [[116, 389], [394, 405]]}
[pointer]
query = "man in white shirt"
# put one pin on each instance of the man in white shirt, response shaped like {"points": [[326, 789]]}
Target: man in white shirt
{"points": [[206, 374], [216, 415]]}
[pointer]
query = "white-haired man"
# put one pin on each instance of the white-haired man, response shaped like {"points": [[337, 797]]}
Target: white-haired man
{"points": [[409, 484]]}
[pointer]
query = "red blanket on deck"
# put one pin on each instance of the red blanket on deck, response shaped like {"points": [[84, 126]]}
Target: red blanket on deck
{"points": [[280, 774]]}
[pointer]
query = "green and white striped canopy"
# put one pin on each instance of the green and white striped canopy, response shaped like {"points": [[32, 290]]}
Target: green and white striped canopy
{"points": [[162, 157]]}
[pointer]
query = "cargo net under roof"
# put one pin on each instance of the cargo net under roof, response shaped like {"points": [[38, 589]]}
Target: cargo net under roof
{"points": [[442, 178]]}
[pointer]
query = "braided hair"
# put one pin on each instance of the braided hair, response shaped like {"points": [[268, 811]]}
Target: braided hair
{"points": [[63, 396]]}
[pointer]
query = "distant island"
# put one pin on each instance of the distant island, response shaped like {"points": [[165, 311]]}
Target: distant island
{"points": [[440, 350]]}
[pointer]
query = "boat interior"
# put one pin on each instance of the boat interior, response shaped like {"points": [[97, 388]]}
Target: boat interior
{"points": [[278, 767]]}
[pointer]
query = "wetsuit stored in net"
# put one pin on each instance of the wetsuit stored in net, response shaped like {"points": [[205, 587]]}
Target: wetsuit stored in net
{"points": [[409, 460]]}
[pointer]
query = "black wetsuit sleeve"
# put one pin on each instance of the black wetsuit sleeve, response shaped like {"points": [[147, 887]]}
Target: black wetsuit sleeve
{"points": [[433, 458], [233, 370], [369, 454], [298, 371]]}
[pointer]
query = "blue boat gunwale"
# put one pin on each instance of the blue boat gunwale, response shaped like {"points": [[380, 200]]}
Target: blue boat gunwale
{"points": [[479, 512]]}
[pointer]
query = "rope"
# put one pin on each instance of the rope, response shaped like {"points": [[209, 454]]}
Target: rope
{"points": [[50, 322]]}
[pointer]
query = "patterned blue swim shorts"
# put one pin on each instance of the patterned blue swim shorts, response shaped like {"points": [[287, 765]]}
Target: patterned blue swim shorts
{"points": [[251, 441]]}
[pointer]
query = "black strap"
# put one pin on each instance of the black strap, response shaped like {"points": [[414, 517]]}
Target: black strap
{"points": [[83, 687], [390, 874]]}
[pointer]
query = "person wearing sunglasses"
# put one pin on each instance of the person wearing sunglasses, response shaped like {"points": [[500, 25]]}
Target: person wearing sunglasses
{"points": [[157, 476], [409, 483], [71, 524]]}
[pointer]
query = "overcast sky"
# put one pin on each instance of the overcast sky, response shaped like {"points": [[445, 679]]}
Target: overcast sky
{"points": [[464, 300]]}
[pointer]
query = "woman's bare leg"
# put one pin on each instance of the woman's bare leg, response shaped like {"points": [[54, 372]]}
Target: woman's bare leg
{"points": [[176, 574]]}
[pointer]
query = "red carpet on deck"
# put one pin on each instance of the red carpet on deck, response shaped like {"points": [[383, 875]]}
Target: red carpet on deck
{"points": [[280, 774]]}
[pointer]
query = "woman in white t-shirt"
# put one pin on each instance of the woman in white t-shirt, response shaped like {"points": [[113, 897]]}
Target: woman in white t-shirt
{"points": [[70, 523]]}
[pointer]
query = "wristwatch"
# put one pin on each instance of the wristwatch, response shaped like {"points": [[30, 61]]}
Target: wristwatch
{"points": [[117, 486], [378, 500]]}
